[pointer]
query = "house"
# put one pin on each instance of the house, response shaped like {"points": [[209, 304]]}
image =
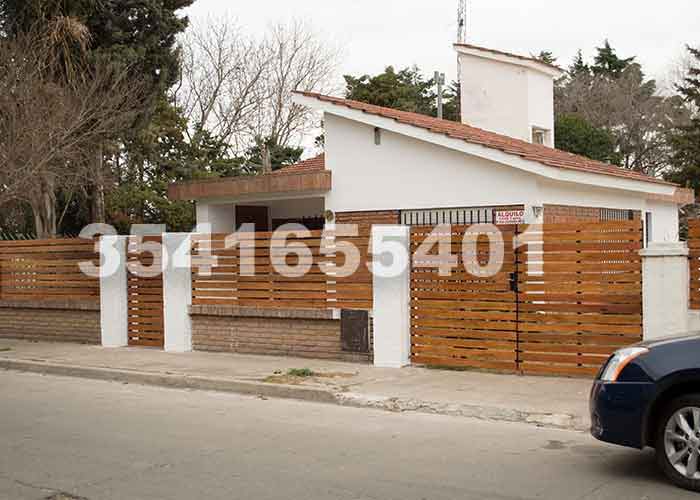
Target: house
{"points": [[383, 166]]}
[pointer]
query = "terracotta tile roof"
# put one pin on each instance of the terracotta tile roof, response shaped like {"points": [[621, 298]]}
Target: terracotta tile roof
{"points": [[311, 165], [508, 54], [516, 147]]}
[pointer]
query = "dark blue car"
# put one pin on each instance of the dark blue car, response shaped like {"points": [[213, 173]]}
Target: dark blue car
{"points": [[649, 395]]}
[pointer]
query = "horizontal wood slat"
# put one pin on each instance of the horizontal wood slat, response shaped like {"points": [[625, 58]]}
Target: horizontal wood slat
{"points": [[145, 292], [462, 320], [579, 297], [694, 259], [249, 270], [47, 270], [586, 300]]}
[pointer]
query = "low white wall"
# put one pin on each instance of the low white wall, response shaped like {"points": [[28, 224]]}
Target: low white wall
{"points": [[694, 321], [177, 292], [113, 293], [665, 290], [392, 297]]}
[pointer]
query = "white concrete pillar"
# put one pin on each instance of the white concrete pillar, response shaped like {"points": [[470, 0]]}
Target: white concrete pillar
{"points": [[534, 214], [177, 291], [392, 296], [114, 308], [217, 218], [666, 289]]}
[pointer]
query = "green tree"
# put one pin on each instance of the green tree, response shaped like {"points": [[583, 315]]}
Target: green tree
{"points": [[685, 139], [140, 36], [579, 66], [607, 62], [574, 134], [614, 97], [546, 57], [280, 156], [405, 90]]}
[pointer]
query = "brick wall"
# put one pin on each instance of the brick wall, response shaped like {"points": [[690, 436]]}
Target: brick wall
{"points": [[59, 321], [563, 214], [306, 334], [367, 219]]}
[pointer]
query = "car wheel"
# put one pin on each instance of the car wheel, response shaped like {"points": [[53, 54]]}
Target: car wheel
{"points": [[678, 442]]}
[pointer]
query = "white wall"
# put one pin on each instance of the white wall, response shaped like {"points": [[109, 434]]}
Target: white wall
{"points": [[404, 173], [221, 217], [407, 173], [664, 226], [494, 96], [506, 98], [541, 103]]}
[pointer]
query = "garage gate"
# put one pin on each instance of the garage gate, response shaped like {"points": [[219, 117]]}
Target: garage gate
{"points": [[562, 299]]}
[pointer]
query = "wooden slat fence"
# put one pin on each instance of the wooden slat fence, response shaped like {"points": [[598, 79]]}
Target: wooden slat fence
{"points": [[145, 291], [580, 297], [47, 270], [462, 319], [694, 247], [247, 270]]}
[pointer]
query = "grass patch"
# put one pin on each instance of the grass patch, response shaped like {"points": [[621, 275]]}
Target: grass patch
{"points": [[301, 372], [5, 349]]}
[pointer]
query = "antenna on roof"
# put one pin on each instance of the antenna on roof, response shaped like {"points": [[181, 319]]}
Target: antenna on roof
{"points": [[462, 28]]}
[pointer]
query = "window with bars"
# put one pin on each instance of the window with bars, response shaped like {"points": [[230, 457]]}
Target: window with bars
{"points": [[616, 214], [457, 216]]}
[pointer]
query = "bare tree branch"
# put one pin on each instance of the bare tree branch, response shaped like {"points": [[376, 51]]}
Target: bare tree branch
{"points": [[49, 125], [238, 89]]}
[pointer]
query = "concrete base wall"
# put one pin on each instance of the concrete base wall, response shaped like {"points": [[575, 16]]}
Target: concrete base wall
{"points": [[51, 321], [694, 321], [306, 334]]}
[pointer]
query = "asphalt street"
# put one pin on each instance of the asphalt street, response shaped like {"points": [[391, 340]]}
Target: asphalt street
{"points": [[105, 440]]}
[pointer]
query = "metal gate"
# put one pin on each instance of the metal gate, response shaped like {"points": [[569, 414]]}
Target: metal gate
{"points": [[145, 291], [561, 303]]}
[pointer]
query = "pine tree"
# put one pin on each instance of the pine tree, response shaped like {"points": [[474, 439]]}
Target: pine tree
{"points": [[579, 65], [608, 63], [685, 140], [405, 90], [546, 57]]}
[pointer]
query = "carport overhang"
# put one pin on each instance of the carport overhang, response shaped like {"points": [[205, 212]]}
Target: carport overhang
{"points": [[292, 184]]}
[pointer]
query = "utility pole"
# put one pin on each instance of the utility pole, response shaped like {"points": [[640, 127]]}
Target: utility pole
{"points": [[440, 81]]}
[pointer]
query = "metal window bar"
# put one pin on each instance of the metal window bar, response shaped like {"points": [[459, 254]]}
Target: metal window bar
{"points": [[456, 216]]}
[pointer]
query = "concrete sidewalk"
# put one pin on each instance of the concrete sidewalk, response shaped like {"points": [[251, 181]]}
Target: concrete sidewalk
{"points": [[549, 402]]}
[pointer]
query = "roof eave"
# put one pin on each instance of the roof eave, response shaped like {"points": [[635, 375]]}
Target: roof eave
{"points": [[609, 181], [293, 184], [495, 55]]}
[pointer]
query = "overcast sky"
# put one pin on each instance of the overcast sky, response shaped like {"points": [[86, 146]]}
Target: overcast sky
{"points": [[376, 33]]}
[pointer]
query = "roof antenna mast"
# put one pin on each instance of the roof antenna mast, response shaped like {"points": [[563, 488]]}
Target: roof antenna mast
{"points": [[462, 28]]}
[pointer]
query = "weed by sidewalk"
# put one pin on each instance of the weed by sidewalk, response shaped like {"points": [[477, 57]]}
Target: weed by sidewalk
{"points": [[5, 349], [297, 376]]}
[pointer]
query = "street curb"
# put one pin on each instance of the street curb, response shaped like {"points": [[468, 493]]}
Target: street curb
{"points": [[395, 405], [173, 381]]}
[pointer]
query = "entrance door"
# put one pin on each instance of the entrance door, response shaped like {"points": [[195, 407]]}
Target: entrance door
{"points": [[253, 215]]}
